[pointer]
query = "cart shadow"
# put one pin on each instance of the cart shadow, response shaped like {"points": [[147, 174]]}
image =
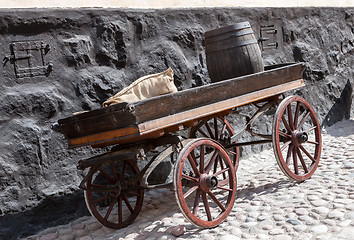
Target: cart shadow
{"points": [[249, 192], [53, 211], [246, 193]]}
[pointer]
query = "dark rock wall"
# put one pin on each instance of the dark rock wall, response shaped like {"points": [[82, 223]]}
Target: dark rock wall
{"points": [[97, 52]]}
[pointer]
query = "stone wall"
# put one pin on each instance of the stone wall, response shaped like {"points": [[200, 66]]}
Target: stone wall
{"points": [[95, 53]]}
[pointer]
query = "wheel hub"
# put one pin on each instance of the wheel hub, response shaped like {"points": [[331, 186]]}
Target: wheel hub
{"points": [[208, 182], [299, 137]]}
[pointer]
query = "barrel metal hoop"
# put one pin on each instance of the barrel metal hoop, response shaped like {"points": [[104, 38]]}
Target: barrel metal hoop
{"points": [[240, 33], [234, 45], [223, 30]]}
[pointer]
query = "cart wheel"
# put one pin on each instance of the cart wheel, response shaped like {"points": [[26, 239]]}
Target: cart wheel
{"points": [[199, 195], [296, 138], [219, 129], [111, 207]]}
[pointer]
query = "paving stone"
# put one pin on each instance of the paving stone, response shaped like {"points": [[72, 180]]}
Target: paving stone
{"points": [[345, 223], [336, 214], [67, 237], [319, 229], [301, 211], [178, 230], [318, 203], [294, 222], [321, 210], [282, 237], [300, 228], [33, 237], [50, 236], [276, 231], [86, 238], [347, 233], [229, 237]]}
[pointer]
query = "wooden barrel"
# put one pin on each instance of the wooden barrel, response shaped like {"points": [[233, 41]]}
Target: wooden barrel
{"points": [[232, 51]]}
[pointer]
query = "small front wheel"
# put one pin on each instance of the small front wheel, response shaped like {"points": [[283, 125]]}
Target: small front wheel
{"points": [[296, 138], [200, 196], [111, 206]]}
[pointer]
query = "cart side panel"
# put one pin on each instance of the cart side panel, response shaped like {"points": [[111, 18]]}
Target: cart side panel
{"points": [[96, 121], [169, 104]]}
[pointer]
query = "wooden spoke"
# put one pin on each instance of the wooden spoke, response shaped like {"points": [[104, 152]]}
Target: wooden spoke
{"points": [[106, 176], [288, 156], [222, 167], [312, 142], [286, 124], [290, 117], [109, 211], [123, 171], [302, 161], [114, 171], [190, 191], [206, 206], [307, 153], [284, 134], [303, 120], [128, 204], [101, 199], [285, 145], [135, 194], [203, 133], [120, 210], [189, 177], [225, 189], [99, 186], [212, 161], [296, 169], [209, 130], [216, 136], [196, 202], [193, 164], [216, 201], [310, 129], [297, 112], [201, 162], [221, 171]]}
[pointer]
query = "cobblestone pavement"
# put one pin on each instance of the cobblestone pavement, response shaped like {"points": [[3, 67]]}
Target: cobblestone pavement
{"points": [[268, 205]]}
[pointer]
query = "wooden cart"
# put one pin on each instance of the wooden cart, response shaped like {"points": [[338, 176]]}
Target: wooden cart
{"points": [[205, 162]]}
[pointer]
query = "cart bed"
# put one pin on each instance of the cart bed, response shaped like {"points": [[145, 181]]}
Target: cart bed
{"points": [[125, 123]]}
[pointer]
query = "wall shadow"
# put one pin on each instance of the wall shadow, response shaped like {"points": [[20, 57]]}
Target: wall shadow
{"points": [[53, 211], [341, 108]]}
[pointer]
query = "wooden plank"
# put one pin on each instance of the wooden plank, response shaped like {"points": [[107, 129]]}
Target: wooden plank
{"points": [[99, 120], [162, 106], [200, 112], [117, 134]]}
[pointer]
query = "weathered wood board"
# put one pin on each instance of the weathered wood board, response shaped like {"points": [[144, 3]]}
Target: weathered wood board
{"points": [[124, 123]]}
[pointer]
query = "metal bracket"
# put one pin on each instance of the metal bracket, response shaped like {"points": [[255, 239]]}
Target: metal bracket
{"points": [[268, 37], [28, 58]]}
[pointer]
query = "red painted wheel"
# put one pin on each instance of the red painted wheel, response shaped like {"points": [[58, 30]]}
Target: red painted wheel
{"points": [[219, 129], [113, 207], [199, 195], [296, 138]]}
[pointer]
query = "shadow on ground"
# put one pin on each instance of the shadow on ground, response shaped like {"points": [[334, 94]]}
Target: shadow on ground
{"points": [[51, 212], [342, 129]]}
